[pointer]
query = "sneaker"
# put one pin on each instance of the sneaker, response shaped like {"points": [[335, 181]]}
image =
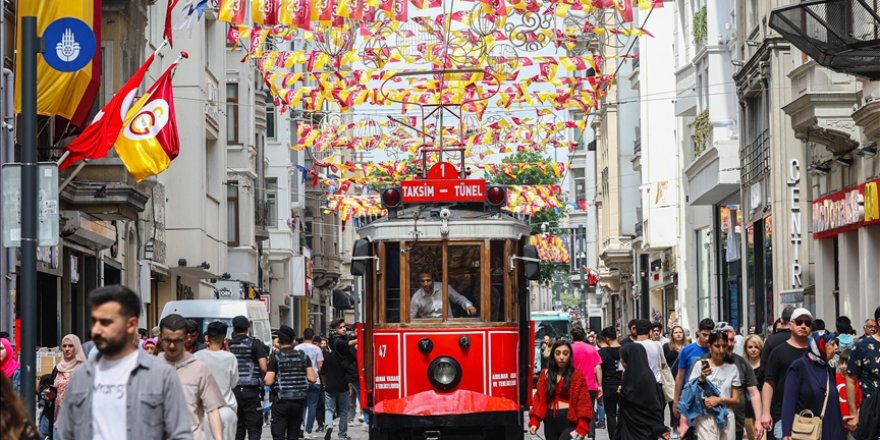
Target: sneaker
{"points": [[344, 437], [328, 433], [361, 418]]}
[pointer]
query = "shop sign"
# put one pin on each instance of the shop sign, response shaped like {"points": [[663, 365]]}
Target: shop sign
{"points": [[846, 210], [794, 179]]}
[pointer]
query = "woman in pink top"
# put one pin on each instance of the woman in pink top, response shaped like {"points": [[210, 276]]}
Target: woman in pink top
{"points": [[585, 359], [72, 356]]}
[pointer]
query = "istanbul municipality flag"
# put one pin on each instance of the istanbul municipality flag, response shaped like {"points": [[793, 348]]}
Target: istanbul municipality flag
{"points": [[149, 141], [69, 70]]}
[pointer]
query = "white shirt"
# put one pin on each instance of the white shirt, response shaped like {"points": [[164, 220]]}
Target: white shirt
{"points": [[724, 377], [109, 403], [654, 352], [315, 355], [423, 305], [224, 368]]}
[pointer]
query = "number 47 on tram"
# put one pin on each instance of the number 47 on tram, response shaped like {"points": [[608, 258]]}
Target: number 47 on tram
{"points": [[446, 344]]}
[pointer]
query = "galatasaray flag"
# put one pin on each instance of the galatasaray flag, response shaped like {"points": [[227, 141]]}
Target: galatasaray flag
{"points": [[97, 139], [149, 141], [69, 70]]}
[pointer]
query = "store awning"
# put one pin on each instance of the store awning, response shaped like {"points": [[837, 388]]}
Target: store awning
{"points": [[843, 35]]}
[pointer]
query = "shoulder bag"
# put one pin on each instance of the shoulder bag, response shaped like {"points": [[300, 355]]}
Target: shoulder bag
{"points": [[807, 426], [666, 377]]}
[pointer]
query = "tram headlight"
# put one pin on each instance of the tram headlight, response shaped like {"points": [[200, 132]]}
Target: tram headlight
{"points": [[444, 373]]}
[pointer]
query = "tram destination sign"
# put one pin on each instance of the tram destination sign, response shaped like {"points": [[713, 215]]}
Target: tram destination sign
{"points": [[443, 190]]}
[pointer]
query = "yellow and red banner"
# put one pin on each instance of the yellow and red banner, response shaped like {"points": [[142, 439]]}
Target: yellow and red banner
{"points": [[69, 70], [149, 141]]}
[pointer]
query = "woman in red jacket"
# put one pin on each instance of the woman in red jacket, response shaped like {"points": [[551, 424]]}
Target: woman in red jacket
{"points": [[562, 399]]}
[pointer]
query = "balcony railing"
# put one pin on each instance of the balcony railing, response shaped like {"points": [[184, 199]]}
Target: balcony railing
{"points": [[755, 159]]}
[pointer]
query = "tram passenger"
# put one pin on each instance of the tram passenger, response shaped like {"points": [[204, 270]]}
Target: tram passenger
{"points": [[561, 399], [425, 305], [471, 289]]}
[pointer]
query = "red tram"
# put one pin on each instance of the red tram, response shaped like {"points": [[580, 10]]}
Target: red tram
{"points": [[445, 349]]}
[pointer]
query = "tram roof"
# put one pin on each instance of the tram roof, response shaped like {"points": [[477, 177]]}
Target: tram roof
{"points": [[464, 222]]}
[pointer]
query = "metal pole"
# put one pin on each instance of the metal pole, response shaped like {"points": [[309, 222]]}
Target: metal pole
{"points": [[28, 294], [582, 238], [355, 283]]}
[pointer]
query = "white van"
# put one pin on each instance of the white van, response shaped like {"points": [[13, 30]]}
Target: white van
{"points": [[206, 311]]}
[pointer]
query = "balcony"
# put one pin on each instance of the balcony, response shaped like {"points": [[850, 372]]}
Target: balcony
{"points": [[616, 252], [821, 111], [755, 159], [105, 189]]}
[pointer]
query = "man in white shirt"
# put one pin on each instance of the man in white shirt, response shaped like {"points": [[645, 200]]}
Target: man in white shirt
{"points": [[430, 305], [316, 356], [123, 392], [654, 352], [224, 367]]}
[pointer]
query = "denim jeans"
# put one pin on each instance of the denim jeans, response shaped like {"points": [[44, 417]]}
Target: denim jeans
{"points": [[332, 402], [309, 410]]}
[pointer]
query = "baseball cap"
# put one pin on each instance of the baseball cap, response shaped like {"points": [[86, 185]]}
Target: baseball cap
{"points": [[241, 322], [286, 330], [800, 311]]}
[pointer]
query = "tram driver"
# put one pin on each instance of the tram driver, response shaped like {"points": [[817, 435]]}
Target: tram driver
{"points": [[430, 305]]}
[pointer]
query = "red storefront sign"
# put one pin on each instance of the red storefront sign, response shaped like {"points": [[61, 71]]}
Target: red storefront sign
{"points": [[846, 210]]}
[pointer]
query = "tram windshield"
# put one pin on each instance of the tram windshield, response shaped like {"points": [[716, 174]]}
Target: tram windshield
{"points": [[464, 271]]}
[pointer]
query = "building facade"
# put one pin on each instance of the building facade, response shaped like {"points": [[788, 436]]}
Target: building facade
{"points": [[708, 120]]}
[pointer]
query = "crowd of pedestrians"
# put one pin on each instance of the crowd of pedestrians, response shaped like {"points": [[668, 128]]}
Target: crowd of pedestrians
{"points": [[178, 383], [726, 385]]}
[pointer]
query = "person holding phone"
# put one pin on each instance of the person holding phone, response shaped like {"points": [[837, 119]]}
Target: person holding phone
{"points": [[721, 371]]}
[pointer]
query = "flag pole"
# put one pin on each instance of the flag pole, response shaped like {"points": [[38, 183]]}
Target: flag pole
{"points": [[164, 42]]}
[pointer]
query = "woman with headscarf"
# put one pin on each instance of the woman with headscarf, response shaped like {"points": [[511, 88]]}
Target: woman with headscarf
{"points": [[809, 382], [9, 364], [72, 356], [561, 400], [641, 412]]}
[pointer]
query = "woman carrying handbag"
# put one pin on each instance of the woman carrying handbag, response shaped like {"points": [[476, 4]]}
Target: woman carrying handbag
{"points": [[809, 405]]}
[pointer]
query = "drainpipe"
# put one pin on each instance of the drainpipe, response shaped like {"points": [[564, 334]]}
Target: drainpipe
{"points": [[7, 137]]}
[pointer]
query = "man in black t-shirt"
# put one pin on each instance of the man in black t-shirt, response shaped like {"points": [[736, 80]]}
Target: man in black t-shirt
{"points": [[611, 380], [777, 367], [778, 338]]}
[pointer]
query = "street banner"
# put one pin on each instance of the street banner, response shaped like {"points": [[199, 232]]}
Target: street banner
{"points": [[69, 70]]}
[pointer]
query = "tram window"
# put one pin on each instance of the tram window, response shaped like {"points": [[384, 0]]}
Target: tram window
{"points": [[425, 281], [465, 283], [392, 282], [497, 281]]}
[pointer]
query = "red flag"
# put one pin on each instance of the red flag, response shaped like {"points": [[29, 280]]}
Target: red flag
{"points": [[167, 32], [97, 139]]}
